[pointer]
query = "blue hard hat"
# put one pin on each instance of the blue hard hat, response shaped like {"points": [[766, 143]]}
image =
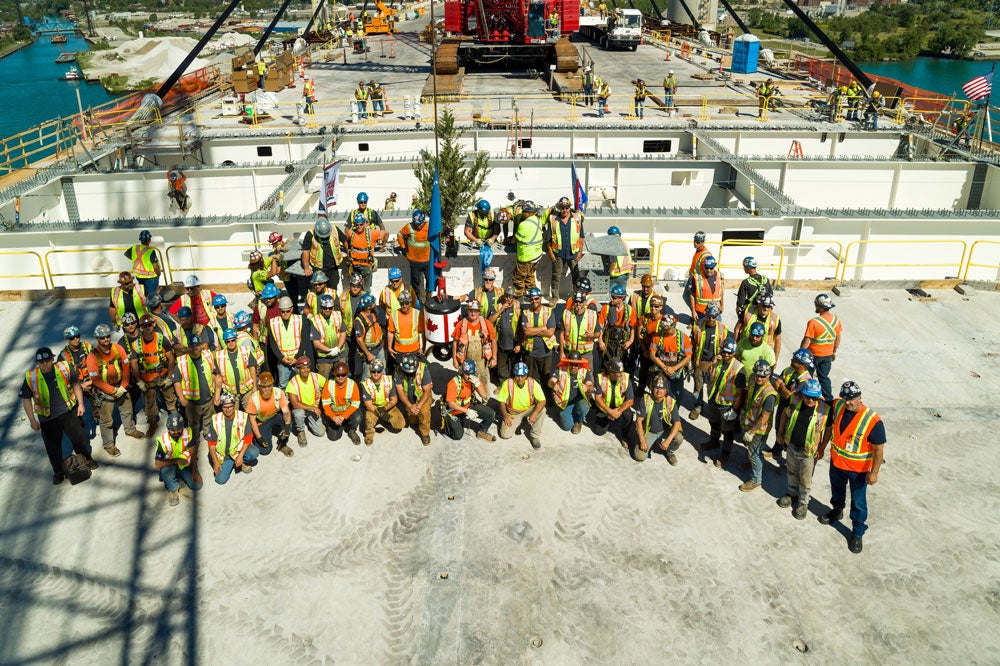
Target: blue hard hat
{"points": [[850, 390], [70, 332], [757, 328], [218, 300], [326, 301], [713, 311], [469, 368], [242, 319], [229, 334], [319, 277], [184, 311], [145, 236], [395, 273], [811, 388], [710, 262], [367, 300], [483, 206], [803, 356], [362, 197], [729, 346], [269, 291], [699, 237], [614, 231], [418, 217], [824, 301], [174, 421], [534, 292], [521, 370], [359, 218], [617, 290], [750, 262]]}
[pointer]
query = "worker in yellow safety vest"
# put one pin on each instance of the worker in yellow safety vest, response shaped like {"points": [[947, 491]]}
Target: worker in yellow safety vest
{"points": [[237, 370], [801, 425], [619, 266], [230, 442], [288, 336], [379, 397], [176, 458], [304, 391], [727, 384], [571, 385], [126, 297], [755, 419], [521, 401], [145, 263], [530, 241], [329, 336], [563, 243], [196, 379]]}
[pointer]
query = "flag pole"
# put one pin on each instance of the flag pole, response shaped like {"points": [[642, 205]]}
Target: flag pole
{"points": [[989, 126]]}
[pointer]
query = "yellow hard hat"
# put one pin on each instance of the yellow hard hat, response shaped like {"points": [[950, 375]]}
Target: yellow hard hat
{"points": [[843, 88], [877, 94]]}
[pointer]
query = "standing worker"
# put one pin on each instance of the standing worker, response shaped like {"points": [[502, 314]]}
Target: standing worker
{"points": [[126, 297], [726, 389], [145, 264], [564, 243], [639, 97], [603, 95], [619, 266], [321, 251], [530, 239], [481, 227], [764, 315], [390, 202], [801, 426], [198, 299], [237, 369], [822, 337], [405, 325], [369, 338], [617, 321], [309, 94], [413, 238], [361, 100], [755, 419], [708, 289], [669, 90], [370, 214], [289, 336], [329, 337], [707, 337], [261, 72], [195, 380], [152, 366], [754, 286], [765, 94], [109, 370], [506, 320], [588, 86], [377, 94], [536, 336], [362, 241], [318, 287]]}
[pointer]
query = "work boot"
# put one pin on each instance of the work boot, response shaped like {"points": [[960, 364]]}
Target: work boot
{"points": [[482, 434], [535, 444], [800, 511], [302, 438], [353, 435], [855, 544], [135, 432], [425, 440], [785, 502], [57, 479], [672, 459], [721, 461], [173, 498], [695, 413], [284, 448], [747, 486], [245, 468], [577, 427], [91, 463], [153, 425], [369, 440], [832, 516], [112, 451]]}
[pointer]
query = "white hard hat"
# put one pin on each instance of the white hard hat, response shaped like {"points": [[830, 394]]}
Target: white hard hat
{"points": [[191, 281], [587, 68], [671, 71]]}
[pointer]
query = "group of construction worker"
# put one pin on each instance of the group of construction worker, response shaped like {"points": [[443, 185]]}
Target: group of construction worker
{"points": [[355, 363], [374, 93]]}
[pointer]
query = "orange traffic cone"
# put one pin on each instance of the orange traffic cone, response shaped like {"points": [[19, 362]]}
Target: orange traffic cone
{"points": [[666, 58], [392, 51]]}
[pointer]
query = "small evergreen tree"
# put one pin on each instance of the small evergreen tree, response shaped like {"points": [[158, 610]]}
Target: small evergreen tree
{"points": [[459, 177]]}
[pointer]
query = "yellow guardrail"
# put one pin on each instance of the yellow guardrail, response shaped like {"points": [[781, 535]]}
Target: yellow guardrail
{"points": [[80, 250], [957, 265], [50, 139], [783, 247], [972, 253], [196, 269], [16, 276], [658, 263]]}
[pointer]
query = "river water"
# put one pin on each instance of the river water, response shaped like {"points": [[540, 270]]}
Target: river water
{"points": [[935, 74]]}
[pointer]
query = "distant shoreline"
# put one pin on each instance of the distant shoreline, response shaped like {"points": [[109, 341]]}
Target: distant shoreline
{"points": [[14, 48]]}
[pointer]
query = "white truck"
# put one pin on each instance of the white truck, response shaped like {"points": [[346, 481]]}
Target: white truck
{"points": [[620, 30]]}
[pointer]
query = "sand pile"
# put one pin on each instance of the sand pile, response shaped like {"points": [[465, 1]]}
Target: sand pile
{"points": [[231, 40], [146, 58]]}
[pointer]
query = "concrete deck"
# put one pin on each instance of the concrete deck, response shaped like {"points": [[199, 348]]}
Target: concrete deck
{"points": [[571, 554]]}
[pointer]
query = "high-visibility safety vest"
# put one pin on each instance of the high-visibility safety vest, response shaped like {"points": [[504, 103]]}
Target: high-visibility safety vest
{"points": [[67, 356], [575, 232], [217, 328], [753, 407], [347, 310], [277, 395], [519, 398], [307, 88], [697, 259], [190, 388], [116, 358], [668, 409], [373, 330], [814, 431], [389, 298], [163, 326], [640, 306], [341, 398], [670, 356], [704, 295], [205, 296], [40, 388], [576, 330], [481, 296], [367, 212], [770, 323], [229, 446], [792, 380], [480, 224], [316, 252], [418, 246], [700, 337], [534, 320], [175, 448], [621, 265], [152, 355], [414, 379], [361, 247], [308, 391], [244, 339], [460, 384], [564, 385], [723, 382], [851, 451], [407, 329], [142, 261], [329, 329], [613, 398], [118, 298], [529, 239], [235, 382], [379, 392], [361, 93], [288, 338], [829, 330], [312, 299]]}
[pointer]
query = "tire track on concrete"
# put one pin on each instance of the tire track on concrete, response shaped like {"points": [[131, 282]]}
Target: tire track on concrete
{"points": [[293, 648]]}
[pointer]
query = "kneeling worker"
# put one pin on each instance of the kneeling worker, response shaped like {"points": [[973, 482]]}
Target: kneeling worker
{"points": [[380, 401], [521, 400], [413, 386], [659, 416], [270, 413], [230, 441], [341, 399], [466, 392], [176, 458]]}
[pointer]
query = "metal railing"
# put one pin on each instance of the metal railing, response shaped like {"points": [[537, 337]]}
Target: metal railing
{"points": [[847, 263], [22, 276], [198, 269], [55, 138], [970, 263], [80, 250]]}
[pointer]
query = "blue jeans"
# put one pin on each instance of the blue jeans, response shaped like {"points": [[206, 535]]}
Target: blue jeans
{"points": [[575, 412], [228, 465], [639, 104], [269, 429], [362, 109], [754, 450], [668, 100], [822, 365], [600, 107], [378, 106], [150, 285], [171, 476], [839, 479], [285, 374]]}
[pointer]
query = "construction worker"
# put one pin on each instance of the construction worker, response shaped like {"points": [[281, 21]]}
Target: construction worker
{"points": [[603, 95], [754, 286], [838, 100], [195, 380], [764, 314], [641, 301], [186, 329], [657, 415], [321, 251], [583, 286], [475, 339], [602, 9], [245, 338], [726, 389], [708, 289], [822, 337], [669, 89], [341, 401], [230, 442], [617, 322], [530, 239], [221, 320], [786, 384], [854, 94], [329, 336], [413, 387], [390, 202], [521, 401], [755, 419], [580, 329], [289, 337], [369, 337], [309, 95], [317, 288], [857, 436], [571, 385], [487, 297], [506, 319], [872, 109], [619, 266], [552, 24], [126, 297], [270, 413], [614, 397], [765, 96], [164, 322], [389, 297], [414, 241], [371, 216], [648, 328], [707, 337], [266, 310], [197, 299], [467, 393], [53, 403], [129, 332], [670, 354], [261, 73], [381, 402], [177, 188], [74, 354], [700, 252], [362, 241], [145, 264], [347, 303], [563, 243], [405, 329], [801, 425], [753, 347], [152, 365], [237, 370], [588, 86], [639, 97], [537, 337], [108, 367], [304, 391], [480, 226], [176, 458], [377, 94]]}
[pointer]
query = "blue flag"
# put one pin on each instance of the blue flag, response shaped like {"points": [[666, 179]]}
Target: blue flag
{"points": [[579, 194], [434, 233]]}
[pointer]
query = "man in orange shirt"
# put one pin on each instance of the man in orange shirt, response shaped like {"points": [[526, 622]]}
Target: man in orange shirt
{"points": [[362, 241], [108, 367], [466, 394], [823, 335], [270, 414], [341, 400], [406, 328], [707, 289], [413, 239], [475, 339]]}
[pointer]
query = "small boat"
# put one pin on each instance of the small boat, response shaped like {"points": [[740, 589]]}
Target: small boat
{"points": [[66, 56], [72, 74], [59, 39]]}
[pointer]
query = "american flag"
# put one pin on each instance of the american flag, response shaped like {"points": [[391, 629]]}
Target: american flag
{"points": [[979, 87]]}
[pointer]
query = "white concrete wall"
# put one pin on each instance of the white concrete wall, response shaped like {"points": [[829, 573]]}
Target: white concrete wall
{"points": [[991, 193], [814, 144], [924, 185], [820, 185]]}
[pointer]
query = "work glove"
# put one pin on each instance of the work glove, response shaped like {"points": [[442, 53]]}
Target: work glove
{"points": [[729, 415], [335, 351], [143, 386], [747, 437], [119, 393]]}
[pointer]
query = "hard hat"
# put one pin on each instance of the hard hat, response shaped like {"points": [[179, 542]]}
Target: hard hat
{"points": [[124, 277], [219, 300], [728, 346], [405, 298], [362, 197], [534, 292], [489, 274], [765, 301], [129, 319], [102, 331], [615, 365], [227, 399], [614, 231], [529, 207], [145, 236], [762, 368], [669, 320], [573, 355], [376, 365], [322, 229], [194, 340], [269, 291], [366, 301], [319, 277], [850, 390], [229, 334], [356, 280], [583, 284], [659, 382], [483, 207], [757, 328], [710, 262], [392, 195], [824, 301], [184, 311], [408, 364], [191, 281], [395, 273], [843, 89], [274, 237], [153, 301], [255, 256], [45, 354], [174, 421], [147, 319], [71, 332], [699, 237], [469, 368], [712, 311], [564, 203], [811, 388], [302, 362], [265, 380], [647, 280], [876, 94], [671, 72], [579, 298], [750, 262], [285, 303], [803, 356], [326, 301], [418, 217], [617, 290], [359, 218], [341, 369], [520, 369], [242, 319], [587, 68]]}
